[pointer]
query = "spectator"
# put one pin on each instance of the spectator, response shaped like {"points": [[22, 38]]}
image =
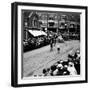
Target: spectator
{"points": [[65, 71], [59, 66], [60, 71], [77, 65], [72, 69], [53, 67], [44, 72], [55, 72]]}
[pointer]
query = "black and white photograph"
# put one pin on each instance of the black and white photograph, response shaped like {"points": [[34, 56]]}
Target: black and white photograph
{"points": [[51, 44]]}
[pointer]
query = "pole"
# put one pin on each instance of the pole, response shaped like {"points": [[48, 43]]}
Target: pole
{"points": [[57, 25]]}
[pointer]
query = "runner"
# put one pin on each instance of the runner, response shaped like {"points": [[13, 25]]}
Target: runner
{"points": [[51, 44], [58, 46]]}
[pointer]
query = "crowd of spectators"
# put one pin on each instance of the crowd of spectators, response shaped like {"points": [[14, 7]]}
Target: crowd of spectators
{"points": [[71, 66], [39, 41], [36, 42]]}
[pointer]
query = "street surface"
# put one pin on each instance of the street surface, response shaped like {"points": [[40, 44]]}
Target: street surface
{"points": [[35, 61]]}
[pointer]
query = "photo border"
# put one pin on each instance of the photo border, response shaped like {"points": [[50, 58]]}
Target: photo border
{"points": [[14, 43]]}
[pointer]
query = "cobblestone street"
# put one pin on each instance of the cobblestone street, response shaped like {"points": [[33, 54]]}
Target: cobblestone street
{"points": [[34, 61]]}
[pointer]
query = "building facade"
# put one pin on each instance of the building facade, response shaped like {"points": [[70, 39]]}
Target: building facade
{"points": [[50, 21]]}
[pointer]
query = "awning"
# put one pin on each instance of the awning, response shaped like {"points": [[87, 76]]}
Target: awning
{"points": [[37, 33], [43, 33]]}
